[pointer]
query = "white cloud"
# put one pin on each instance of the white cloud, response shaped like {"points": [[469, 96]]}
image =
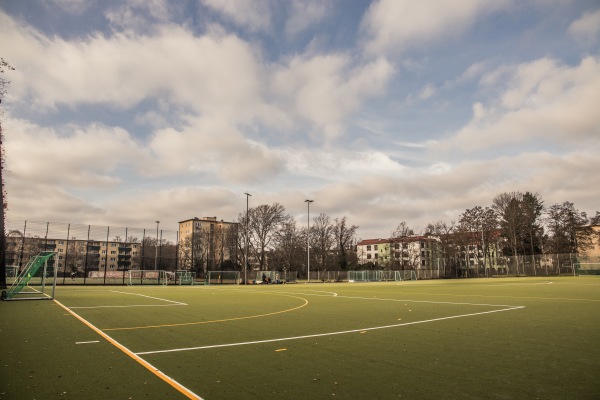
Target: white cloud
{"points": [[543, 100], [392, 26], [305, 13], [325, 89], [254, 15], [42, 156], [587, 27], [138, 15]]}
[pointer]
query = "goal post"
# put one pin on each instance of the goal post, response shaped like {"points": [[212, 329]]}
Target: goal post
{"points": [[223, 278], [182, 277], [37, 281], [588, 268], [146, 277], [381, 276]]}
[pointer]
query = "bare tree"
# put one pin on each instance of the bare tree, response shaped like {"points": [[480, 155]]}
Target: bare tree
{"points": [[446, 250], [3, 83], [510, 213], [264, 221], [344, 237], [402, 230], [290, 246], [323, 239]]}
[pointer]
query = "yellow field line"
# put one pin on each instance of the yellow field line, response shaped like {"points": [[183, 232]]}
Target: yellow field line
{"points": [[213, 321], [173, 383]]}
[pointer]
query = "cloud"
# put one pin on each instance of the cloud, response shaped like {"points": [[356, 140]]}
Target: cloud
{"points": [[217, 75], [587, 27], [325, 89], [393, 26], [542, 100], [306, 13], [254, 15], [79, 157]]}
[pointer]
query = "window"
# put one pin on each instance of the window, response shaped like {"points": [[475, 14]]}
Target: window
{"points": [[376, 256], [369, 248], [375, 247], [368, 256]]}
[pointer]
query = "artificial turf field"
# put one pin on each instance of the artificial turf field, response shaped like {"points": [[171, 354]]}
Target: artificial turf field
{"points": [[505, 338]]}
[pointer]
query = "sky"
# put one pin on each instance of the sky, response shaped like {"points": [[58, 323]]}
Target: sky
{"points": [[127, 112]]}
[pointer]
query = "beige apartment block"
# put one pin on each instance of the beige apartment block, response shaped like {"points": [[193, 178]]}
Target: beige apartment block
{"points": [[207, 244]]}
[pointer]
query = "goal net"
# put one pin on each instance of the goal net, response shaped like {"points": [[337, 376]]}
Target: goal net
{"points": [[588, 268], [146, 277], [181, 277], [381, 276], [37, 281], [223, 278]]}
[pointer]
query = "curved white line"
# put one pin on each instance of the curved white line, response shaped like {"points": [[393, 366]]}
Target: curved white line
{"points": [[325, 334]]}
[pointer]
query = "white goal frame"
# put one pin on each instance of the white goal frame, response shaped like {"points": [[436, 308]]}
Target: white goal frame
{"points": [[223, 278], [146, 277]]}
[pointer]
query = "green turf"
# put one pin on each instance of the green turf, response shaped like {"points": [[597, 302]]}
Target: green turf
{"points": [[510, 338]]}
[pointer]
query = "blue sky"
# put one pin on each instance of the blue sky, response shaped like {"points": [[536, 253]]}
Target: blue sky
{"points": [[126, 112]]}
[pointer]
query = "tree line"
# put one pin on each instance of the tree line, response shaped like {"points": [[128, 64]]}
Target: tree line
{"points": [[276, 241], [515, 224]]}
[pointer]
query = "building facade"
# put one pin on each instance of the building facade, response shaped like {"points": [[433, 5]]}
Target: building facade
{"points": [[77, 257], [207, 244], [410, 252]]}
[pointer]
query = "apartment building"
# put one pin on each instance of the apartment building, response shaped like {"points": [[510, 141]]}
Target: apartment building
{"points": [[410, 252], [78, 256], [207, 244]]}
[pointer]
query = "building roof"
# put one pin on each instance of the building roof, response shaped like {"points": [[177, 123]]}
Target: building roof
{"points": [[407, 239]]}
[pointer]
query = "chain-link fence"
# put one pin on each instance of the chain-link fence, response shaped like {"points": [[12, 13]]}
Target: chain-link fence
{"points": [[91, 254]]}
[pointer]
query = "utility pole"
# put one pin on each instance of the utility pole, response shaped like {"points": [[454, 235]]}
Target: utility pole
{"points": [[248, 195], [308, 240]]}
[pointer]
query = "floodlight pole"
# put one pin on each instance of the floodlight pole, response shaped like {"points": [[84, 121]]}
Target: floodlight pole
{"points": [[248, 195], [156, 254], [308, 240]]}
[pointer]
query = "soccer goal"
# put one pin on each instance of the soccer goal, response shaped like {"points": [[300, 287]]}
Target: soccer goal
{"points": [[381, 276], [407, 275], [181, 277], [146, 277], [588, 268], [223, 278], [37, 281]]}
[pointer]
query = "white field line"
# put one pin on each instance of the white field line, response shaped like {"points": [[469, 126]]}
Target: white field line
{"points": [[175, 303], [328, 333], [411, 301], [150, 297], [88, 342], [172, 382]]}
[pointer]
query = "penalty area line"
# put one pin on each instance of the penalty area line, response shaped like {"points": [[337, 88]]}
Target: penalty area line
{"points": [[361, 330]]}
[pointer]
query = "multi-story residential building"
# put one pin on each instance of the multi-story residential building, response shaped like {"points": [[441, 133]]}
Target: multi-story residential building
{"points": [[206, 244], [410, 252], [75, 256]]}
